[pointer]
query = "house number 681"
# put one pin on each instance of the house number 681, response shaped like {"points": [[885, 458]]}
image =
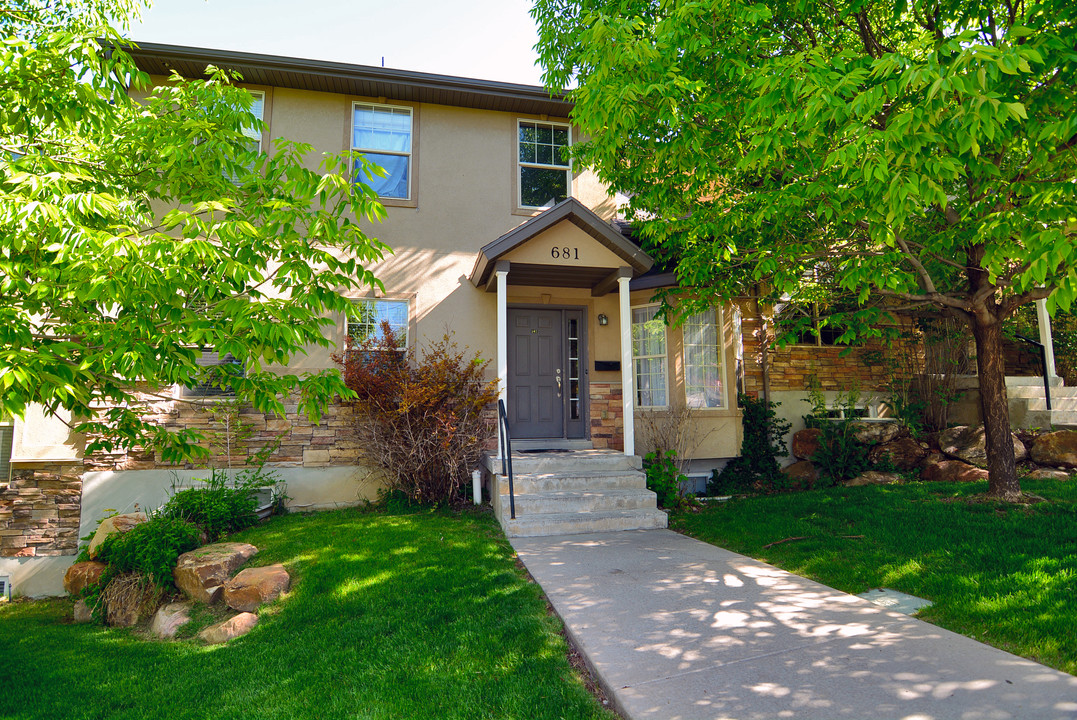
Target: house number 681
{"points": [[565, 253]]}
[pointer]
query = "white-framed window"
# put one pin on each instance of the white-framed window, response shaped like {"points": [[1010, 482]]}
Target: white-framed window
{"points": [[219, 368], [545, 170], [704, 369], [366, 316], [258, 109], [383, 134], [649, 357]]}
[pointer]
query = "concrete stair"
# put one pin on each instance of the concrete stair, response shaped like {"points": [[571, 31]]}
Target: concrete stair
{"points": [[1028, 403], [572, 492]]}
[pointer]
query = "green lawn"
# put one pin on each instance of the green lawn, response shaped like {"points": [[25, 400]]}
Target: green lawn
{"points": [[391, 616], [1005, 575]]}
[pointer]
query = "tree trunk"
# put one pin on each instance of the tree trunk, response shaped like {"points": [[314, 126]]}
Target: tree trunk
{"points": [[994, 407]]}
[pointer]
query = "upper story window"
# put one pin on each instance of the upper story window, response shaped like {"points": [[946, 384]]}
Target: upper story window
{"points": [[258, 108], [383, 134], [215, 381], [545, 168], [365, 319], [703, 376], [649, 357]]}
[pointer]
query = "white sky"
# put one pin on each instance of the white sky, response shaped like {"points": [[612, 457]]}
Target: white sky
{"points": [[485, 39]]}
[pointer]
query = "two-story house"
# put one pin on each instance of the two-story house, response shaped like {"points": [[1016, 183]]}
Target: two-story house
{"points": [[498, 238]]}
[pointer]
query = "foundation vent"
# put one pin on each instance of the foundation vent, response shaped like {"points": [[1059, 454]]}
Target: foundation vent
{"points": [[5, 588]]}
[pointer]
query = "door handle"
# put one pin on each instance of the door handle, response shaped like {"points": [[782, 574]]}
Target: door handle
{"points": [[558, 383]]}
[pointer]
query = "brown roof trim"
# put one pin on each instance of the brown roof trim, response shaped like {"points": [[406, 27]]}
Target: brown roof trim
{"points": [[659, 280], [363, 80], [579, 215]]}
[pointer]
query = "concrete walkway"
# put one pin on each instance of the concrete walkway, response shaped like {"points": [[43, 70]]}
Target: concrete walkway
{"points": [[678, 629]]}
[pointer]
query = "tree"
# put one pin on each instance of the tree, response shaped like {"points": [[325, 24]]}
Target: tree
{"points": [[134, 235], [904, 155]]}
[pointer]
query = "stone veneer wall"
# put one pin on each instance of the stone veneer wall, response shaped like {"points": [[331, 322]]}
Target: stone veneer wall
{"points": [[40, 509], [293, 439], [607, 416]]}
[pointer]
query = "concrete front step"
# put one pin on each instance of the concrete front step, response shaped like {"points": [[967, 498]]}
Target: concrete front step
{"points": [[579, 462], [1036, 391], [580, 502], [1066, 404], [553, 482], [578, 523]]}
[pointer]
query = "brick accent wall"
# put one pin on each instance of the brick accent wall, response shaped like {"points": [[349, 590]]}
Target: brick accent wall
{"points": [[607, 417], [40, 509]]}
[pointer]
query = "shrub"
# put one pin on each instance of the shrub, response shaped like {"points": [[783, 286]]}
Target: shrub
{"points": [[150, 549], [757, 467], [220, 507], [421, 418], [839, 457], [663, 477]]}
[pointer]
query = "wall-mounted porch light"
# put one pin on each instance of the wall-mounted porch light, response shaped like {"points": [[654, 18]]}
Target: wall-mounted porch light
{"points": [[602, 319]]}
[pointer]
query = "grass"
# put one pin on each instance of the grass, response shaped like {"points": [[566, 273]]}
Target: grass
{"points": [[1005, 575], [420, 615]]}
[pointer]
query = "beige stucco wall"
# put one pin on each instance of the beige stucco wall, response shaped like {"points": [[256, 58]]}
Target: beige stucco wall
{"points": [[40, 435]]}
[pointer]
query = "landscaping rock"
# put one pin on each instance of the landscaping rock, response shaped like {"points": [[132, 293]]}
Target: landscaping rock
{"points": [[201, 573], [134, 603], [253, 587], [968, 443], [903, 453], [114, 524], [169, 619], [806, 443], [877, 433], [222, 632], [801, 474], [82, 612], [1057, 449], [82, 575], [873, 477], [938, 469], [1050, 474]]}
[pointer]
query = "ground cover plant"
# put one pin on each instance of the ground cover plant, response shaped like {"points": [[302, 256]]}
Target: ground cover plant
{"points": [[416, 614], [1003, 574]]}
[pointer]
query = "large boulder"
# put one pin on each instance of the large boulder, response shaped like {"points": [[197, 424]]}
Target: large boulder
{"points": [[802, 475], [938, 469], [201, 573], [222, 632], [113, 525], [129, 600], [253, 587], [877, 433], [1057, 449], [169, 619], [873, 477], [806, 443], [903, 453], [969, 443], [82, 575]]}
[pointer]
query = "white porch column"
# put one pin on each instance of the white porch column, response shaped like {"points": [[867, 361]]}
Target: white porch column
{"points": [[502, 274], [1044, 322], [628, 390]]}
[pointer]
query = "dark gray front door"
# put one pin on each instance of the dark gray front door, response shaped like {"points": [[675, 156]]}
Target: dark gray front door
{"points": [[536, 375]]}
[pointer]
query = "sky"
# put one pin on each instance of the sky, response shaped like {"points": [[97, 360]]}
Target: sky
{"points": [[484, 39]]}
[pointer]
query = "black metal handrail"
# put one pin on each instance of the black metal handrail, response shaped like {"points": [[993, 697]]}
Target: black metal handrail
{"points": [[1043, 365], [506, 452]]}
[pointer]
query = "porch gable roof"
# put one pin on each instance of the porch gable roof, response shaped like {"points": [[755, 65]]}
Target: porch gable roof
{"points": [[582, 217]]}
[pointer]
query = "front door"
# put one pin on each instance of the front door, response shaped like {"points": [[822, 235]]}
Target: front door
{"points": [[545, 373]]}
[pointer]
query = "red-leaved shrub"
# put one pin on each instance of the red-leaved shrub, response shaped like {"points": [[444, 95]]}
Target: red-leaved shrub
{"points": [[420, 418]]}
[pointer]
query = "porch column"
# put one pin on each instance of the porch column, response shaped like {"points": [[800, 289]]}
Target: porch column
{"points": [[501, 271], [1044, 322], [628, 391]]}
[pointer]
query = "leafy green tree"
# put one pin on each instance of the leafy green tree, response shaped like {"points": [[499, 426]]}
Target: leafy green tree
{"points": [[137, 233], [905, 155]]}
